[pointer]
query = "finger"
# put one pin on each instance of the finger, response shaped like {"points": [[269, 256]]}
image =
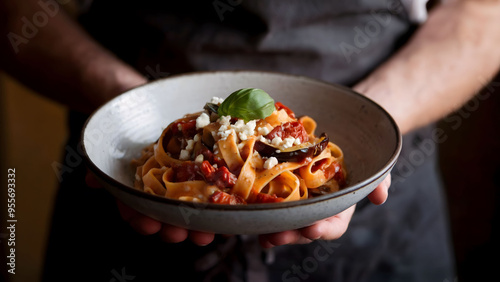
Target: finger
{"points": [[91, 181], [313, 232], [331, 228], [282, 238], [144, 224], [201, 238], [173, 234], [126, 212], [141, 223], [264, 242], [381, 192]]}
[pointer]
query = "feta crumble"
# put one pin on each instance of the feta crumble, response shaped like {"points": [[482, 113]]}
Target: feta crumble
{"points": [[263, 130], [242, 136], [184, 155], [270, 163], [217, 100], [225, 120], [285, 143], [199, 159], [202, 121], [190, 145], [277, 141], [263, 139], [241, 129]]}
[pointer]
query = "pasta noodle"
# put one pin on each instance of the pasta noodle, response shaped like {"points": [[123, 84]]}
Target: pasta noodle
{"points": [[204, 157]]}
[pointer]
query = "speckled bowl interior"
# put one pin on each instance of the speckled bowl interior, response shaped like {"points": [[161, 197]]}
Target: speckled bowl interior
{"points": [[116, 133]]}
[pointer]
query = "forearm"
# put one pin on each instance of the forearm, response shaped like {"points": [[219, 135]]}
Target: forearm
{"points": [[61, 61], [446, 62]]}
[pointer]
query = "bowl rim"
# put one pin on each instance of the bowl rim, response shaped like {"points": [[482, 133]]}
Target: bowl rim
{"points": [[248, 207]]}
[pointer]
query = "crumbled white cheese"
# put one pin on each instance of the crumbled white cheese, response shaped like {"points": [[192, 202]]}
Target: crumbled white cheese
{"points": [[250, 127], [216, 100], [285, 143], [277, 141], [225, 120], [202, 121], [184, 155], [263, 139], [196, 138], [263, 130], [242, 136], [223, 128], [190, 145], [270, 163], [240, 129], [288, 142], [224, 134], [179, 127], [199, 159], [239, 124]]}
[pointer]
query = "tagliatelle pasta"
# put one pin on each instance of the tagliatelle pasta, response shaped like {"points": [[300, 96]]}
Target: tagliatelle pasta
{"points": [[207, 157]]}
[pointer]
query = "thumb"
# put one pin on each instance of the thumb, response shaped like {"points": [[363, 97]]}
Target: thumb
{"points": [[380, 194]]}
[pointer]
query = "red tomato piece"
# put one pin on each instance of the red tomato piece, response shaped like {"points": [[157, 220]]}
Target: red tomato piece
{"points": [[220, 176], [220, 197], [210, 157], [266, 198], [187, 171], [186, 129], [293, 129]]}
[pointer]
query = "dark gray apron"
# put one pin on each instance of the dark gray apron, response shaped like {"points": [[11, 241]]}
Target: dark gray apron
{"points": [[406, 239]]}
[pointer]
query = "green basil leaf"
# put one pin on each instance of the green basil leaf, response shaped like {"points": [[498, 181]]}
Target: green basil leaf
{"points": [[247, 104]]}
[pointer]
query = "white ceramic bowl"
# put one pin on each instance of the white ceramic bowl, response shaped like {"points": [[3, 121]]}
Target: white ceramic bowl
{"points": [[117, 132]]}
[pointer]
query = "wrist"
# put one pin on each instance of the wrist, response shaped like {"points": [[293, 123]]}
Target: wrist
{"points": [[387, 90], [106, 77]]}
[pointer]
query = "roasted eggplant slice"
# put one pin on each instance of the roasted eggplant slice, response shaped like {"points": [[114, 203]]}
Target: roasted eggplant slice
{"points": [[293, 154], [211, 107]]}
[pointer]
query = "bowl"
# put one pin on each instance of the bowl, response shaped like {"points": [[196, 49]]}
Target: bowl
{"points": [[118, 131]]}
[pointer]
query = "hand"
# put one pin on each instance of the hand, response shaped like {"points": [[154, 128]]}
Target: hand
{"points": [[148, 226], [327, 229]]}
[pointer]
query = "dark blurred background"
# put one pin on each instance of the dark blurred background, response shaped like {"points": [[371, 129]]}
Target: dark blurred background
{"points": [[470, 164]]}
